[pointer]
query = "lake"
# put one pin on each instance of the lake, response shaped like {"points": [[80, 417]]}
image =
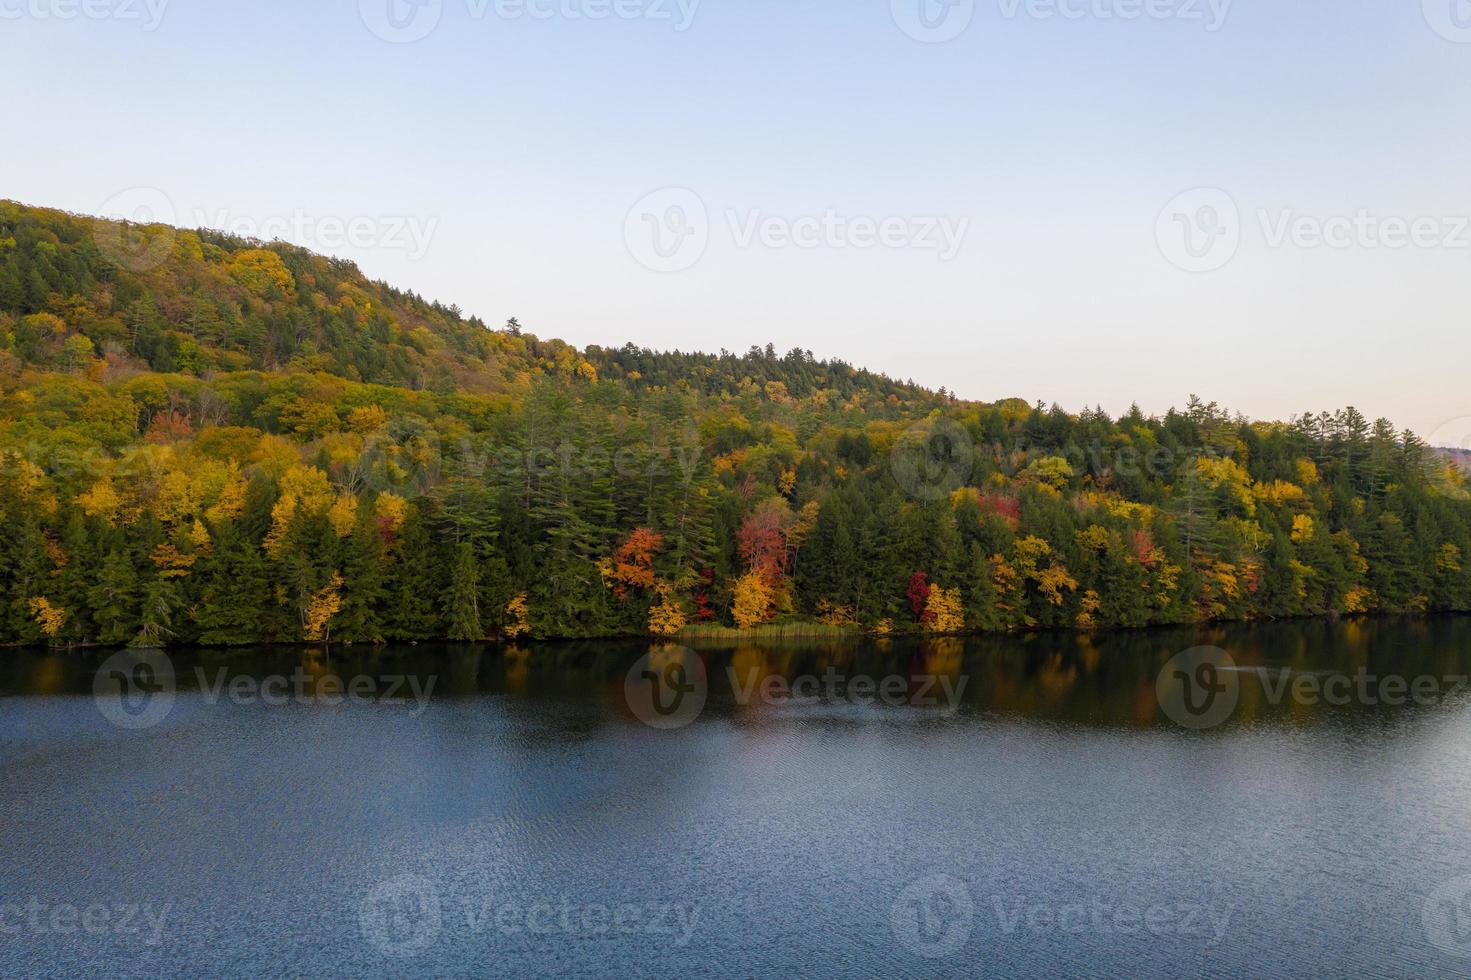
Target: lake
{"points": [[1280, 800]]}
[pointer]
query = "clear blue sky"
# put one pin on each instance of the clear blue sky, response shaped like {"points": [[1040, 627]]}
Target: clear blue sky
{"points": [[520, 144]]}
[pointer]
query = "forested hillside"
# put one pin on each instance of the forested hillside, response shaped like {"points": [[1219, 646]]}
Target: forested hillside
{"points": [[212, 440]]}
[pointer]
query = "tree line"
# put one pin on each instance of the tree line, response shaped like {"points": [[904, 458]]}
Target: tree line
{"points": [[211, 440]]}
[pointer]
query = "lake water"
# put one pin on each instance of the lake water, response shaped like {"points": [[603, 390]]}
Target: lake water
{"points": [[1031, 806]]}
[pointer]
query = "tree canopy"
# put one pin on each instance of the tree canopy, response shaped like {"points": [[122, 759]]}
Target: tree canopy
{"points": [[213, 440]]}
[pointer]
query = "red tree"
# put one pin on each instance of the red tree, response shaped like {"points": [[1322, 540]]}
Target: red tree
{"points": [[919, 591], [1009, 509], [703, 610], [1144, 546], [763, 544]]}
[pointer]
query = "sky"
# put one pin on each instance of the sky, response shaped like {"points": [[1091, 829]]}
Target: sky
{"points": [[1087, 202]]}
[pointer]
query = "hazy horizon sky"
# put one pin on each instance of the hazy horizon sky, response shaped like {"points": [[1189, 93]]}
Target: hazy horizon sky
{"points": [[1092, 202]]}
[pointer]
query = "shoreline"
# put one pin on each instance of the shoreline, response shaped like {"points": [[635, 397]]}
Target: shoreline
{"points": [[797, 631]]}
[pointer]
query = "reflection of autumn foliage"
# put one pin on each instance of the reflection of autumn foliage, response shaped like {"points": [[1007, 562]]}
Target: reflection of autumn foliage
{"points": [[943, 656], [749, 668], [1056, 678], [517, 664]]}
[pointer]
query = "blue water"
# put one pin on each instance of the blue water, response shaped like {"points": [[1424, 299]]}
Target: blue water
{"points": [[523, 824]]}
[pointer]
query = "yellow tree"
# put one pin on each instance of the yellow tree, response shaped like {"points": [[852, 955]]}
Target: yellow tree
{"points": [[666, 618], [324, 604], [520, 614], [48, 617], [944, 611], [100, 501], [754, 601], [1087, 618]]}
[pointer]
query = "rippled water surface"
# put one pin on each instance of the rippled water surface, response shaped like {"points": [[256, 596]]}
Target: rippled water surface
{"points": [[1047, 817]]}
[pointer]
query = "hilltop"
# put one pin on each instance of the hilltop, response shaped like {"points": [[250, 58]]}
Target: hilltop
{"points": [[167, 300]]}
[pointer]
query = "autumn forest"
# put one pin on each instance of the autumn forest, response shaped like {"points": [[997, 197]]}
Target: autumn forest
{"points": [[208, 440]]}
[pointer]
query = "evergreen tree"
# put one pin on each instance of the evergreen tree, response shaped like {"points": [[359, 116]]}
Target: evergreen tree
{"points": [[461, 610]]}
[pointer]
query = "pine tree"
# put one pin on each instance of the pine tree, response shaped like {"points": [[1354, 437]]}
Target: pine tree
{"points": [[461, 611], [114, 599], [233, 590], [161, 603], [364, 589], [412, 584]]}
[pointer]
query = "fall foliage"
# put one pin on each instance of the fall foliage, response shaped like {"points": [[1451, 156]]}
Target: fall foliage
{"points": [[252, 443], [943, 611]]}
